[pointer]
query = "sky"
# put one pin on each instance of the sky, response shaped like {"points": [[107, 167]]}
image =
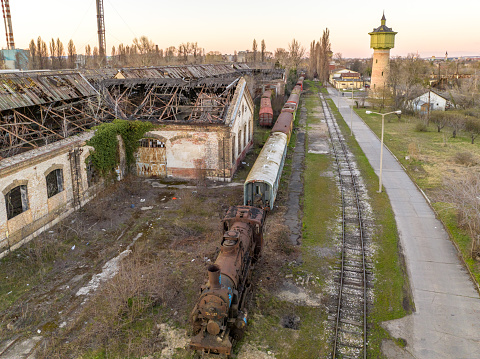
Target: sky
{"points": [[430, 28]]}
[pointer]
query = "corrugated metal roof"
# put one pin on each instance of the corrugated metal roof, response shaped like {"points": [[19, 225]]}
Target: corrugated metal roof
{"points": [[36, 88], [182, 72]]}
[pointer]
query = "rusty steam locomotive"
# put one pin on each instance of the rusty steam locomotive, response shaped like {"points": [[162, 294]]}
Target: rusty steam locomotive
{"points": [[220, 317], [220, 312]]}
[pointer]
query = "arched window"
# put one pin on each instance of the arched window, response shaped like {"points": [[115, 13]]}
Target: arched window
{"points": [[16, 201], [54, 182]]}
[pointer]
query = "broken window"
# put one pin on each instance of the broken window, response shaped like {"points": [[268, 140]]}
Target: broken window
{"points": [[92, 172], [233, 149], [54, 182], [151, 143], [16, 201]]}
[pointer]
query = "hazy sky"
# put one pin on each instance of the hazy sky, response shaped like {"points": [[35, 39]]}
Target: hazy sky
{"points": [[429, 27]]}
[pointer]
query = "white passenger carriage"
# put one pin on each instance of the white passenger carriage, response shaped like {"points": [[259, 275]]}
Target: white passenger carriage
{"points": [[261, 185]]}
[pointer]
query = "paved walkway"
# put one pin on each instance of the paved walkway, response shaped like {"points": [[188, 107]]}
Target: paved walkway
{"points": [[446, 322]]}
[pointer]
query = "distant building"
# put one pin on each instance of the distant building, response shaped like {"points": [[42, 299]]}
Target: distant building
{"points": [[346, 79], [437, 102], [16, 59]]}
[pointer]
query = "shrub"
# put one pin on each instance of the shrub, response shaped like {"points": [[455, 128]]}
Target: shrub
{"points": [[421, 127], [465, 158]]}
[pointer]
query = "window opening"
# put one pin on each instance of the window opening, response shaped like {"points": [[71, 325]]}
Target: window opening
{"points": [[54, 182], [239, 142], [92, 173], [151, 143], [16, 201]]}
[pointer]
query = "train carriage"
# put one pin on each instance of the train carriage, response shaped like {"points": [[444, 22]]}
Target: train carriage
{"points": [[265, 115], [261, 185]]}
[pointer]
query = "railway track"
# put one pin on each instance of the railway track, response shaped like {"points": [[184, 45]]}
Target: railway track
{"points": [[348, 311]]}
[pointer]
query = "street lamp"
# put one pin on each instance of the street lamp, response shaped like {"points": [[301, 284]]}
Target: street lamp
{"points": [[351, 115], [381, 148]]}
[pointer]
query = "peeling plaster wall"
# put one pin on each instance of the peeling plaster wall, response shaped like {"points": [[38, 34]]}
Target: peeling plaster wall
{"points": [[205, 150], [31, 168]]}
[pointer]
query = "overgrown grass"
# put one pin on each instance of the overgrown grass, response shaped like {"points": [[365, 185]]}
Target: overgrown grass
{"points": [[391, 289]]}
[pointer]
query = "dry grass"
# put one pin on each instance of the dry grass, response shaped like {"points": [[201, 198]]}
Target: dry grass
{"points": [[428, 155]]}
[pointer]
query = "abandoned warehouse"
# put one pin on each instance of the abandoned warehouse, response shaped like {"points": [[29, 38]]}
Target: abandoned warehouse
{"points": [[202, 120]]}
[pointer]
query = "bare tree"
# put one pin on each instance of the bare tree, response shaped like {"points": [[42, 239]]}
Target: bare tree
{"points": [[263, 48], [312, 63], [33, 63], [472, 126], [324, 56], [281, 57], [463, 192], [42, 53], [296, 53], [88, 56], [53, 52], [170, 53], [60, 55], [72, 54], [96, 57], [456, 122], [254, 49], [196, 52], [439, 118]]}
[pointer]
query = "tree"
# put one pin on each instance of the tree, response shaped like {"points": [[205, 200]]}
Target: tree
{"points": [[42, 53], [33, 63], [146, 50], [472, 126], [96, 57], [296, 53], [53, 52], [263, 48], [60, 54], [456, 122], [312, 61], [439, 118], [323, 64], [184, 50], [72, 54], [463, 192], [170, 53], [88, 56], [281, 58], [254, 49], [196, 52]]}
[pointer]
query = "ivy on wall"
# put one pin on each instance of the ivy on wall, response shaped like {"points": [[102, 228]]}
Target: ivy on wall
{"points": [[105, 157]]}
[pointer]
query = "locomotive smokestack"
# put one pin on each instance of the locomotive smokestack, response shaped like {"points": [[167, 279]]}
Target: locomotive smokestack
{"points": [[214, 276]]}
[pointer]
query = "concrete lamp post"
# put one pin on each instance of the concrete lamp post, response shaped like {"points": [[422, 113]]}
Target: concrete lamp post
{"points": [[381, 141]]}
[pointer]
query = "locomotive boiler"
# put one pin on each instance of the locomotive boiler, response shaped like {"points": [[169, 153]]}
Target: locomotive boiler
{"points": [[220, 317]]}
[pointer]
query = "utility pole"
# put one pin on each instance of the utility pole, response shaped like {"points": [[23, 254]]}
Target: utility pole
{"points": [[8, 24], [101, 34]]}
